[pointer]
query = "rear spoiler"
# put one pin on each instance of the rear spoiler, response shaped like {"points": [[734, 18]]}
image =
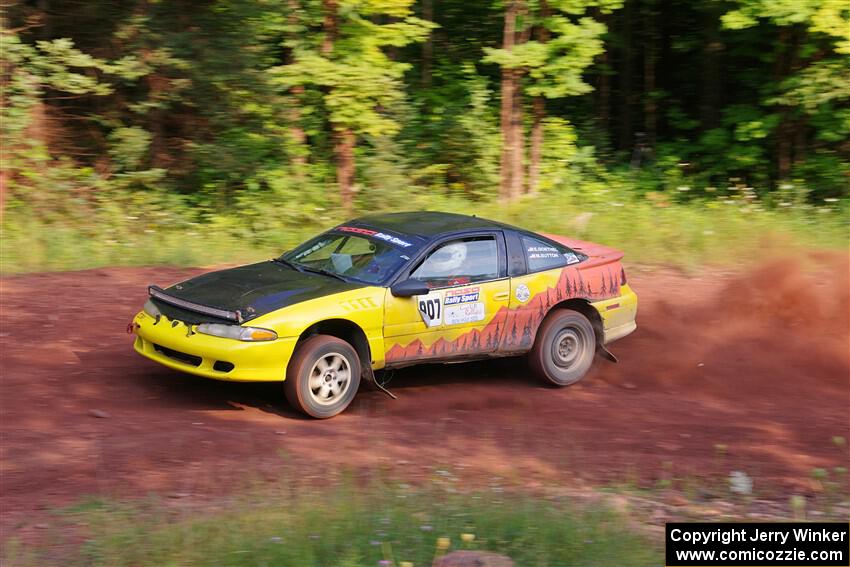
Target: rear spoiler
{"points": [[158, 293], [599, 254]]}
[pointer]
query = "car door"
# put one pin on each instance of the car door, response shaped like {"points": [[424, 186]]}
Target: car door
{"points": [[459, 316], [542, 274]]}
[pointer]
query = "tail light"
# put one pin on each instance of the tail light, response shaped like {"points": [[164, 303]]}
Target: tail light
{"points": [[622, 276]]}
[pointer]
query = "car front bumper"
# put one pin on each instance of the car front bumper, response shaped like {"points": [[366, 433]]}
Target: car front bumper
{"points": [[172, 344]]}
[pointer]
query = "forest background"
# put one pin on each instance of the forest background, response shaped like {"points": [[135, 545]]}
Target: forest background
{"points": [[194, 133]]}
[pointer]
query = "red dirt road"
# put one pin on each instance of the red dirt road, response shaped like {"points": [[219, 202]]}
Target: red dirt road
{"points": [[758, 362]]}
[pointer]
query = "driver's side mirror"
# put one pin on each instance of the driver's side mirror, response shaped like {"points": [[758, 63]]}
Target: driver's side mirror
{"points": [[409, 288]]}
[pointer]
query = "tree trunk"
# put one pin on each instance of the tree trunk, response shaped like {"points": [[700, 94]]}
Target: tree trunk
{"points": [[625, 86], [650, 56], [344, 151], [539, 110], [603, 96], [518, 158], [800, 141], [536, 143], [428, 44], [296, 131], [784, 137], [784, 130], [297, 134], [46, 28], [711, 87], [5, 176], [604, 104], [6, 70], [329, 26], [344, 137], [509, 87], [798, 124], [155, 117]]}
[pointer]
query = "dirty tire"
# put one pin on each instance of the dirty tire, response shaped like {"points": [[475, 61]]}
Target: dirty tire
{"points": [[564, 348], [322, 377]]}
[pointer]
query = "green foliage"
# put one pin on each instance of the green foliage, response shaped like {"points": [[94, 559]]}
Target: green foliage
{"points": [[828, 17], [128, 147], [815, 93], [555, 66], [818, 93], [572, 49], [27, 72], [358, 81]]}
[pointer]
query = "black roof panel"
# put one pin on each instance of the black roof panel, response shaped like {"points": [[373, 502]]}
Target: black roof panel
{"points": [[424, 223]]}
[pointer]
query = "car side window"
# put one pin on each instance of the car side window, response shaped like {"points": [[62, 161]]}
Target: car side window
{"points": [[459, 262], [541, 255]]}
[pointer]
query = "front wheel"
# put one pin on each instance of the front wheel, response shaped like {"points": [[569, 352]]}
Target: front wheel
{"points": [[564, 348], [322, 377]]}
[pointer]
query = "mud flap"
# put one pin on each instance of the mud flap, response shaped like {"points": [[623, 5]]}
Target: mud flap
{"points": [[381, 385], [606, 354]]}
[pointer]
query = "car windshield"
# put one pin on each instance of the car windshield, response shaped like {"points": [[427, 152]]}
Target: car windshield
{"points": [[368, 258]]}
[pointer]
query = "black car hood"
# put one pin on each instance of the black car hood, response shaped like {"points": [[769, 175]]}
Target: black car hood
{"points": [[253, 290]]}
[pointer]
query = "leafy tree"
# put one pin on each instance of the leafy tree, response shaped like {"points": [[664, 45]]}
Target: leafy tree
{"points": [[32, 73], [810, 96], [241, 106], [360, 84], [566, 43]]}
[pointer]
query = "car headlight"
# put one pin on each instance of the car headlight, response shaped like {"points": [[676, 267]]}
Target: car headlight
{"points": [[151, 309], [236, 332]]}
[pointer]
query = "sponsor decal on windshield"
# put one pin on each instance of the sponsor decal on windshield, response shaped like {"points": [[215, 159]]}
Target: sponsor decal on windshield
{"points": [[375, 234]]}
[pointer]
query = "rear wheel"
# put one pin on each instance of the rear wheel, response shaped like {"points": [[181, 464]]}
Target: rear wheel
{"points": [[564, 348], [322, 377]]}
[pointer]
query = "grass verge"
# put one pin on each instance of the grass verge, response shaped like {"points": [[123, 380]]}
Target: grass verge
{"points": [[689, 235], [343, 527]]}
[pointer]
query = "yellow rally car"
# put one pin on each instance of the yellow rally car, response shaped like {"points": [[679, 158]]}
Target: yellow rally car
{"points": [[388, 291]]}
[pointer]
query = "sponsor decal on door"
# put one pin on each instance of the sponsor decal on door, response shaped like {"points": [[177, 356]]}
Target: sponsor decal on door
{"points": [[464, 313], [466, 295], [452, 307]]}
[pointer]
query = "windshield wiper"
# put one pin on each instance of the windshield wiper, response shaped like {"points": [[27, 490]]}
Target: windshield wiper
{"points": [[324, 272], [288, 264]]}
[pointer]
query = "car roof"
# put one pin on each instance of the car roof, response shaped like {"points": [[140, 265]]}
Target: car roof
{"points": [[425, 224]]}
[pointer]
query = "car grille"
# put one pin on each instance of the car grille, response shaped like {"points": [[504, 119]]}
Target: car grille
{"points": [[189, 359]]}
